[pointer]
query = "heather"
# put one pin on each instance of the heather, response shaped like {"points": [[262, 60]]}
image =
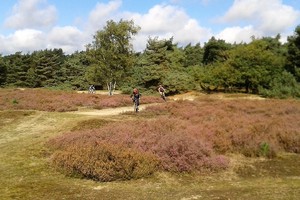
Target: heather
{"points": [[104, 162], [190, 136], [251, 127], [61, 101], [90, 154], [165, 139]]}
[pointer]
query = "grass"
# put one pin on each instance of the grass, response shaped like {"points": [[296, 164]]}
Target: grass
{"points": [[26, 174]]}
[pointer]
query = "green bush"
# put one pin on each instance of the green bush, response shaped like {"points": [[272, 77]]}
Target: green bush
{"points": [[266, 150], [284, 86], [15, 101]]}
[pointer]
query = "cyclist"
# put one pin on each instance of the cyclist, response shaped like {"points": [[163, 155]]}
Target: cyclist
{"points": [[92, 89], [161, 91], [135, 96]]}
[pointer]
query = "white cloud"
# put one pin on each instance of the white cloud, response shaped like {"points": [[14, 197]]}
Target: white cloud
{"points": [[238, 34], [102, 13], [191, 32], [34, 22], [162, 19], [31, 14], [269, 16], [25, 40], [165, 21], [68, 38]]}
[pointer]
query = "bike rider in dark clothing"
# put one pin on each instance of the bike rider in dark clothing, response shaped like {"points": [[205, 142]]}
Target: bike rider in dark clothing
{"points": [[136, 96], [92, 89], [161, 91]]}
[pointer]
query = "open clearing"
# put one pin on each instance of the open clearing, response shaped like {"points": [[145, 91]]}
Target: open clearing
{"points": [[25, 173]]}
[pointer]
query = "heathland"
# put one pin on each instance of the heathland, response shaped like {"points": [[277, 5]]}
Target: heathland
{"points": [[67, 145]]}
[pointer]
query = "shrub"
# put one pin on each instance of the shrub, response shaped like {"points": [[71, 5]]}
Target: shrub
{"points": [[104, 162], [180, 152], [265, 149], [254, 144], [197, 135], [15, 101], [290, 141], [178, 149], [283, 86], [241, 126]]}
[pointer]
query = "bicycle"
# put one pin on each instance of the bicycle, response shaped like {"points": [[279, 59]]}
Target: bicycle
{"points": [[92, 90], [136, 104], [161, 91], [163, 96]]}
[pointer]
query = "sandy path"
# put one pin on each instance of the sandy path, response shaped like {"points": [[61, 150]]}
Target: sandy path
{"points": [[187, 96], [108, 111]]}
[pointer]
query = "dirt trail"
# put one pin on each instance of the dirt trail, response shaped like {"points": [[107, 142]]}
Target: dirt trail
{"points": [[107, 111], [187, 96]]}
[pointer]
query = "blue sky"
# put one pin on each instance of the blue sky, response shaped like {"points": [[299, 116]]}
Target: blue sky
{"points": [[28, 25]]}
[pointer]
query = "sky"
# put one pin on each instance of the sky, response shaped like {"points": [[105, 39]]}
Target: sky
{"points": [[30, 25]]}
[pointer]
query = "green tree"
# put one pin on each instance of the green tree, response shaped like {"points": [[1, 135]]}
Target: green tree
{"points": [[154, 63], [282, 86], [47, 68], [111, 52], [17, 67], [224, 76], [193, 55], [293, 56], [178, 82], [274, 45], [3, 71], [256, 64], [215, 51], [74, 70], [207, 76]]}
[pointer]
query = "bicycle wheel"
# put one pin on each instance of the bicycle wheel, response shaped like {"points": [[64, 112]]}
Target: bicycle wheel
{"points": [[163, 96], [135, 106], [137, 109]]}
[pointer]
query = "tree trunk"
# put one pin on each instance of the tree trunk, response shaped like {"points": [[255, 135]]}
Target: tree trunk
{"points": [[111, 88]]}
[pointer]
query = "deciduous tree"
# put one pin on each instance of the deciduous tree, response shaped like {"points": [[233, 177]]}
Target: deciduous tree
{"points": [[111, 52]]}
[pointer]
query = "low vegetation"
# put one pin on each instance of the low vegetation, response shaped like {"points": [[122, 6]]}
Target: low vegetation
{"points": [[182, 136], [209, 148], [61, 101]]}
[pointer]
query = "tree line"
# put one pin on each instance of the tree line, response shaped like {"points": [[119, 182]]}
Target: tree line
{"points": [[264, 66]]}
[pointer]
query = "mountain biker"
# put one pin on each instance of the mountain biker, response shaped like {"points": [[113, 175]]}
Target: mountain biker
{"points": [[135, 96], [92, 89], [161, 91]]}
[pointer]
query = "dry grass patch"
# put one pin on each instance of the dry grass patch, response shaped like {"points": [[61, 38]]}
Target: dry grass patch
{"points": [[90, 124], [7, 117]]}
